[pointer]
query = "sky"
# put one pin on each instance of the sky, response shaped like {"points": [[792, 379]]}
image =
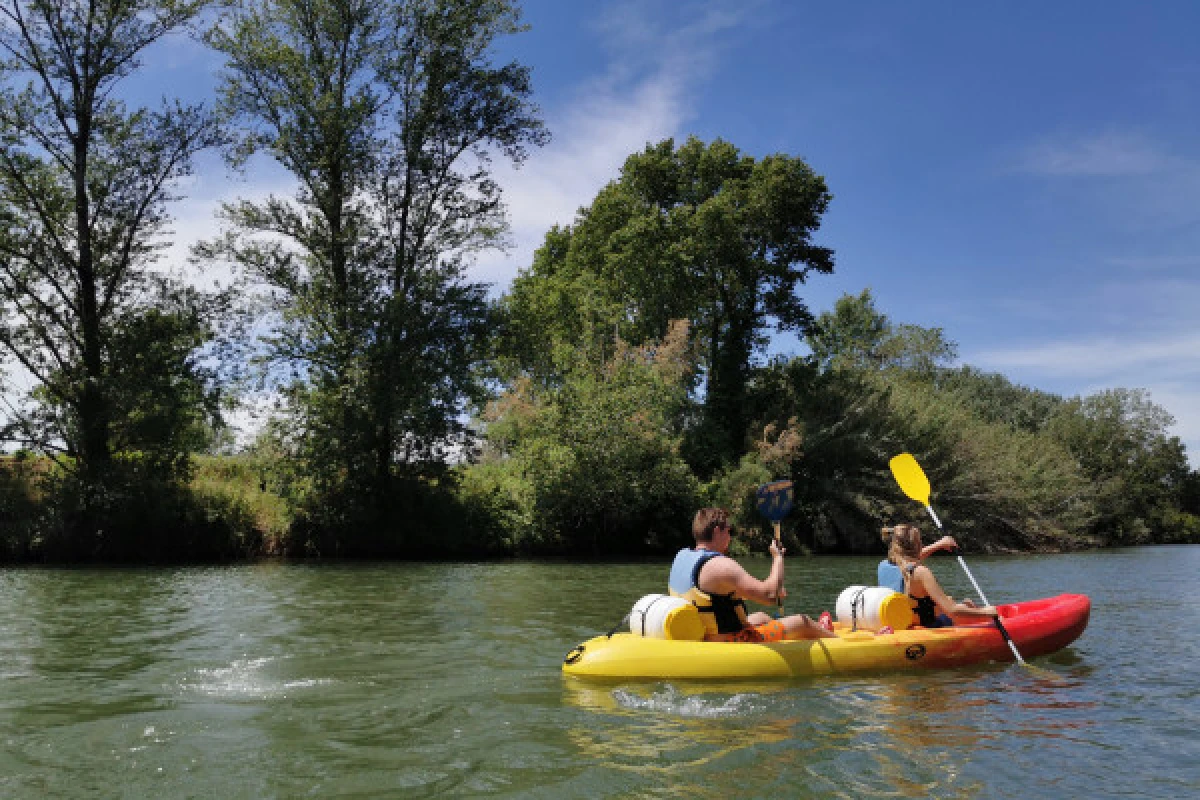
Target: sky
{"points": [[1023, 175]]}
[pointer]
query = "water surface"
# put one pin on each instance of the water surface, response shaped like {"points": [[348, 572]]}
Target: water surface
{"points": [[404, 680]]}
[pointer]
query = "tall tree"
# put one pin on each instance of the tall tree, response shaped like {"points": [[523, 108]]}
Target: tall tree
{"points": [[388, 114], [699, 232], [84, 186]]}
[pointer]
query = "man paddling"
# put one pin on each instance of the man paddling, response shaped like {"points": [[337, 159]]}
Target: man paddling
{"points": [[718, 586]]}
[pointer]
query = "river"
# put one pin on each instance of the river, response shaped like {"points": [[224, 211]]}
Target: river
{"points": [[431, 680]]}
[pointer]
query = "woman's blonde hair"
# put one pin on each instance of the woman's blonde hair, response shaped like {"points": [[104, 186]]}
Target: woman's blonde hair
{"points": [[903, 541]]}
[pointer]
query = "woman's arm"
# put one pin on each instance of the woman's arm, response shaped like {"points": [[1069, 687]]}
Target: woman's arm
{"points": [[944, 543], [925, 578]]}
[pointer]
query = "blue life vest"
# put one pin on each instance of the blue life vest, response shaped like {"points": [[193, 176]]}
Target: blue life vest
{"points": [[720, 613], [889, 576]]}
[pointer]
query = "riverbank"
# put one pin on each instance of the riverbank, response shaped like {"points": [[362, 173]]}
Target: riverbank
{"points": [[245, 508]]}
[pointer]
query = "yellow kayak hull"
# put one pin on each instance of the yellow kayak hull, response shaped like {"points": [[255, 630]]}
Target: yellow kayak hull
{"points": [[1037, 627]]}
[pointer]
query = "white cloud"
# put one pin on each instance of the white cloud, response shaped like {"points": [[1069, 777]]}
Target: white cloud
{"points": [[642, 98], [1132, 182], [1189, 263], [1112, 154], [590, 143], [1100, 357], [195, 219]]}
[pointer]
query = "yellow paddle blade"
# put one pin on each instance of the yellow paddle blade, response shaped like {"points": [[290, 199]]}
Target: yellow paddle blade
{"points": [[911, 477]]}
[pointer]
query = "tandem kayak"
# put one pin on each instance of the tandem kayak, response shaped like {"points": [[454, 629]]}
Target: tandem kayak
{"points": [[1038, 627]]}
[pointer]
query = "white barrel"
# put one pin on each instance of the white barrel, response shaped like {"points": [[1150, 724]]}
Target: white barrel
{"points": [[872, 607], [660, 616]]}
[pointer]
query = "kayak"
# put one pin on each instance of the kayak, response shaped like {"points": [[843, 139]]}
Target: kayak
{"points": [[1037, 627]]}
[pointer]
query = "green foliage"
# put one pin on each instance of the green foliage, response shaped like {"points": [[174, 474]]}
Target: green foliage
{"points": [[996, 486], [1140, 473], [832, 433], [377, 335], [84, 186], [19, 505], [241, 490], [1012, 468], [994, 398], [698, 232], [221, 515], [591, 466], [856, 335]]}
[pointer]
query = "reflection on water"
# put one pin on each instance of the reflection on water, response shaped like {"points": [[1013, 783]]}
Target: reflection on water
{"points": [[905, 736], [438, 680], [675, 738]]}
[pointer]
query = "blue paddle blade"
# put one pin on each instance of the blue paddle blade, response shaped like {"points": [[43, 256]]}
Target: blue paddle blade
{"points": [[775, 500]]}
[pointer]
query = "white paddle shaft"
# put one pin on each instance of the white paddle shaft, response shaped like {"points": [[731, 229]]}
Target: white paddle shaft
{"points": [[978, 591]]}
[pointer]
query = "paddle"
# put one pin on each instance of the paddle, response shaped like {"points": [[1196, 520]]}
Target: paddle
{"points": [[912, 480], [774, 501]]}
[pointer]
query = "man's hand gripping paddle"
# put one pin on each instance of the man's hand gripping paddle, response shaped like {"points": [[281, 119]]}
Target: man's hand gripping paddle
{"points": [[774, 501]]}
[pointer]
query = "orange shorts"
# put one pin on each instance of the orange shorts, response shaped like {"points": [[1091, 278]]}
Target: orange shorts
{"points": [[772, 631]]}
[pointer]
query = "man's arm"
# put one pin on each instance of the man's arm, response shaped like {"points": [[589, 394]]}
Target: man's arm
{"points": [[724, 575]]}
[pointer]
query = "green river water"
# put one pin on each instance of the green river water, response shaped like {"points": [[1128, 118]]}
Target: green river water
{"points": [[432, 680]]}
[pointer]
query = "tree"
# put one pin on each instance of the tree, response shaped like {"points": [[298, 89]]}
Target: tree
{"points": [[832, 433], [84, 186], [855, 334], [997, 485], [388, 114], [997, 399], [885, 389], [1119, 438], [702, 233], [593, 464]]}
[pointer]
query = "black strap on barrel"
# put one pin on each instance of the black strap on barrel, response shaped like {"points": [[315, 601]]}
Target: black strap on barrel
{"points": [[646, 610], [854, 603], [618, 626]]}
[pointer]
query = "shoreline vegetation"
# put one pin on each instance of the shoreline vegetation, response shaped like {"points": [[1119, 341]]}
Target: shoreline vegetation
{"points": [[619, 383]]}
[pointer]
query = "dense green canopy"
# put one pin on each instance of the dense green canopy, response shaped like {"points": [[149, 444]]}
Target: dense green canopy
{"points": [[699, 232]]}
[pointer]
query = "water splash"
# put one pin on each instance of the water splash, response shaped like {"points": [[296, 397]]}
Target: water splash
{"points": [[249, 678], [672, 701]]}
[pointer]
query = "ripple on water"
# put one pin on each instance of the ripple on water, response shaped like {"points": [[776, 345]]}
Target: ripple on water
{"points": [[289, 681], [247, 678]]}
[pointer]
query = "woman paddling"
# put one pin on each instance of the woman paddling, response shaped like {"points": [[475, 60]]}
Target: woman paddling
{"points": [[888, 573], [923, 588]]}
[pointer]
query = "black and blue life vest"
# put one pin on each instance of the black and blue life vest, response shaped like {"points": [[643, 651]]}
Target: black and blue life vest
{"points": [[721, 613]]}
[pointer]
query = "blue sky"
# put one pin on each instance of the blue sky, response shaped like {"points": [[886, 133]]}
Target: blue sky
{"points": [[1024, 175]]}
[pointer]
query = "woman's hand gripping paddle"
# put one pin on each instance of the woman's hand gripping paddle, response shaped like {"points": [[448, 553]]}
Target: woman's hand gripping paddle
{"points": [[774, 501], [912, 480]]}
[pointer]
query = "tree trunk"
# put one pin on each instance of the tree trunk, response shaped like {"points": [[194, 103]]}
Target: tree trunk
{"points": [[94, 456]]}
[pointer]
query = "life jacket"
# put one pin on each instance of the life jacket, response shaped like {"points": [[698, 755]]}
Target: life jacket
{"points": [[889, 576], [720, 613], [925, 610]]}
